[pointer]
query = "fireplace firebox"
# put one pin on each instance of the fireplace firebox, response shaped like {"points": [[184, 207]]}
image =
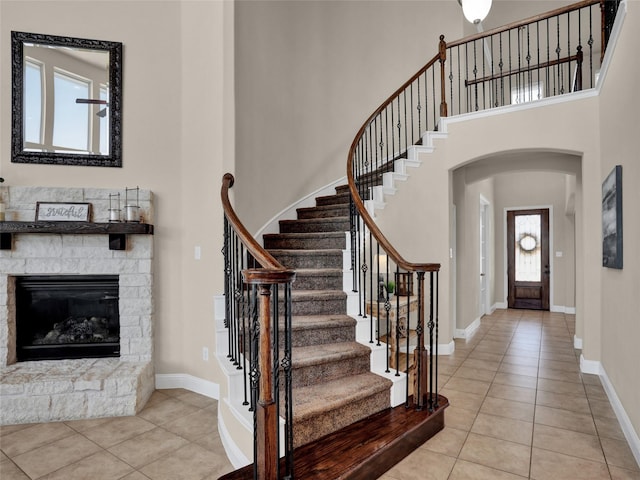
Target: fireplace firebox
{"points": [[67, 317]]}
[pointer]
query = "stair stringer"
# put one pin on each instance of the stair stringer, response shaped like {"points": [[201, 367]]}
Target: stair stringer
{"points": [[400, 172]]}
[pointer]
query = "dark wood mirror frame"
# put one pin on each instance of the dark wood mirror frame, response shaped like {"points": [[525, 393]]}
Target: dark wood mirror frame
{"points": [[18, 153]]}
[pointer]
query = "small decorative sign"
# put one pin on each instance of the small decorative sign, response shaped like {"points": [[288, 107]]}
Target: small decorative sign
{"points": [[62, 212]]}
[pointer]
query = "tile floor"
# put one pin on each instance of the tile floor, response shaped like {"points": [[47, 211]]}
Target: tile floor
{"points": [[174, 437], [519, 409]]}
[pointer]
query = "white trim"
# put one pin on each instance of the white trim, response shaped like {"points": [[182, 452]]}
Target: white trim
{"points": [[625, 422], [593, 367], [570, 310], [469, 331], [188, 382], [563, 309], [577, 343], [500, 305], [288, 213], [234, 454], [446, 348]]}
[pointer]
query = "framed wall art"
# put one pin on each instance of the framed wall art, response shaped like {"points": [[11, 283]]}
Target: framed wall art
{"points": [[612, 219]]}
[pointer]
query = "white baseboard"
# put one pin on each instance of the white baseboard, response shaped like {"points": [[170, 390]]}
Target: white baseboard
{"points": [[592, 367], [446, 348], [467, 332], [577, 343], [500, 305], [235, 455], [188, 382], [625, 422], [563, 309]]}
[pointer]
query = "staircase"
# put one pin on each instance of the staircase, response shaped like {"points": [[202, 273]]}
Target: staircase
{"points": [[333, 386]]}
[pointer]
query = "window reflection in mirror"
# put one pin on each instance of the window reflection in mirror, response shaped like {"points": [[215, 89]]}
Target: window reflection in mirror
{"points": [[66, 100]]}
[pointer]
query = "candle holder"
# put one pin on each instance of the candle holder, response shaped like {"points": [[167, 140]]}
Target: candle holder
{"points": [[114, 207], [131, 209]]}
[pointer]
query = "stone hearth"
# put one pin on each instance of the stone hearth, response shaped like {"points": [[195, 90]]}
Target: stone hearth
{"points": [[54, 390]]}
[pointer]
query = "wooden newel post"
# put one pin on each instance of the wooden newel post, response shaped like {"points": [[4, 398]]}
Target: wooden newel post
{"points": [[266, 414], [266, 411], [442, 51], [421, 356]]}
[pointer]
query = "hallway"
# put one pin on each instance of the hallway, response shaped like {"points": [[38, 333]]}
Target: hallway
{"points": [[520, 408]]}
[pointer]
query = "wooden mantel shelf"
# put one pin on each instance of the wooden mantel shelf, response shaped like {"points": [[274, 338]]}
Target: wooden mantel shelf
{"points": [[117, 231]]}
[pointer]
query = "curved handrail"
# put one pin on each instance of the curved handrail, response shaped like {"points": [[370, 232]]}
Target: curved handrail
{"points": [[355, 195], [263, 257]]}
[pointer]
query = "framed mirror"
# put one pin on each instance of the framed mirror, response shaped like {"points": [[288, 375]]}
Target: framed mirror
{"points": [[67, 98]]}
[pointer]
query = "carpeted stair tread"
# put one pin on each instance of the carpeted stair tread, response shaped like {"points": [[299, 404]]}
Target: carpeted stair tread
{"points": [[317, 399], [332, 224], [307, 259], [344, 197], [327, 353], [305, 240], [310, 322], [323, 211]]}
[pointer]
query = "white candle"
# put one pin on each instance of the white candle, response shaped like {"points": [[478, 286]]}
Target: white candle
{"points": [[132, 213], [1, 211], [114, 214]]}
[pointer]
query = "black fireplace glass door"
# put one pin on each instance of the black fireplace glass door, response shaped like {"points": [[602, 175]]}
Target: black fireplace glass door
{"points": [[67, 316]]}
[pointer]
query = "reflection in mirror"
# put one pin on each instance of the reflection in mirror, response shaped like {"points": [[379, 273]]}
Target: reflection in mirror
{"points": [[66, 100]]}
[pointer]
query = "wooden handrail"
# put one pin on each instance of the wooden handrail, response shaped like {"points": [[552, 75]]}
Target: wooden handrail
{"points": [[525, 22], [264, 258]]}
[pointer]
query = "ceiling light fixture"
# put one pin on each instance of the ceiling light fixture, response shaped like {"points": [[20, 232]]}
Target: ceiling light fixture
{"points": [[475, 11]]}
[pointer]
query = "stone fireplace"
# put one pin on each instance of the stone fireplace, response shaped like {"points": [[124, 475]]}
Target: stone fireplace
{"points": [[116, 383]]}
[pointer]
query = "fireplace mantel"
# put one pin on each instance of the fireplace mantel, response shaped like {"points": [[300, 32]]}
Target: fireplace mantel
{"points": [[117, 231]]}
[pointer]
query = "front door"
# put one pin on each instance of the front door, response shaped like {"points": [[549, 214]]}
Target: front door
{"points": [[528, 258]]}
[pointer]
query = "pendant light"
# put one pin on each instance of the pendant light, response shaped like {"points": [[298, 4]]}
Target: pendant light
{"points": [[475, 11]]}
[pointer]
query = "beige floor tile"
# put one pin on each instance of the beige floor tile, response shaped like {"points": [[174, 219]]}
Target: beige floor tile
{"points": [[84, 425], [197, 400], [195, 425], [460, 418], [602, 409], [508, 408], [575, 403], [468, 401], [618, 473], [554, 417], [503, 428], [464, 470], [515, 380], [55, 455], [99, 466], [517, 394], [556, 386], [135, 475], [474, 374], [166, 411], [484, 364], [547, 465], [488, 356], [571, 366], [448, 441], [468, 386], [589, 379], [609, 428], [560, 357], [521, 360], [10, 471], [596, 392], [568, 442], [618, 453], [118, 430], [560, 375], [413, 466], [519, 369], [499, 454], [148, 447], [32, 437], [188, 463]]}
